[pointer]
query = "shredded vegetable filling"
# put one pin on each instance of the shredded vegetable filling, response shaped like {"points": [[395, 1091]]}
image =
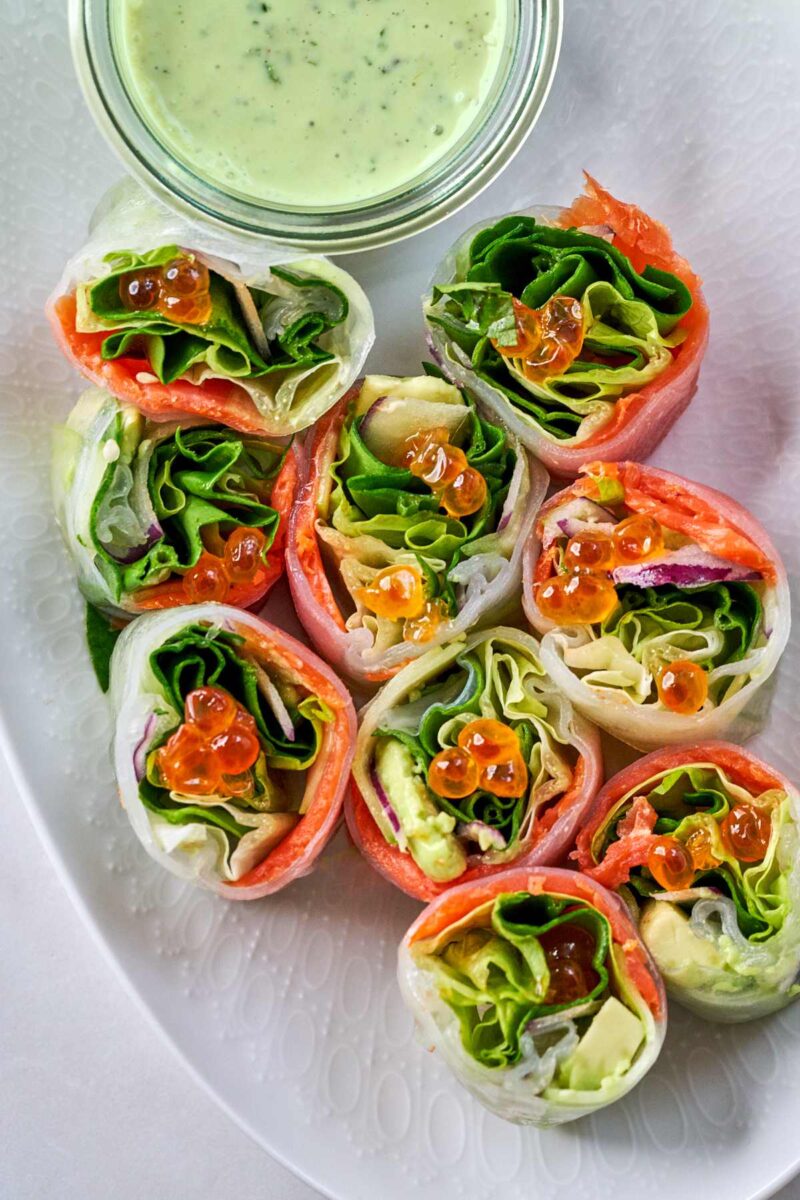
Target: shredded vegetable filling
{"points": [[559, 321], [529, 974], [652, 615], [234, 760], [472, 759], [409, 513]]}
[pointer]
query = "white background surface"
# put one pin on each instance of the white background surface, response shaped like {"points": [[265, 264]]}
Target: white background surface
{"points": [[92, 1103]]}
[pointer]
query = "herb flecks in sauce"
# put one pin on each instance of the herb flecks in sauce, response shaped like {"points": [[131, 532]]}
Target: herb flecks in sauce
{"points": [[311, 102]]}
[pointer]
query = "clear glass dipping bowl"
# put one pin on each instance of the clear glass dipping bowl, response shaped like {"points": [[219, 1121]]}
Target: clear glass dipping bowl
{"points": [[510, 112]]}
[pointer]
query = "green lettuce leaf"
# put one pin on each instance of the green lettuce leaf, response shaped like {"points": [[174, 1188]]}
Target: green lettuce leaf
{"points": [[182, 484], [296, 321], [630, 318], [495, 978], [101, 638]]}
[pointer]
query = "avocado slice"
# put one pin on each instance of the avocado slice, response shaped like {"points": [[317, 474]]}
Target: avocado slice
{"points": [[606, 1049], [428, 831], [682, 957]]}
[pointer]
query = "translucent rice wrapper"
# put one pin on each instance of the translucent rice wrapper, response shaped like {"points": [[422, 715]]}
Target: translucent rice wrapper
{"points": [[545, 840], [277, 405], [143, 715], [526, 1094], [490, 584], [647, 726], [641, 419], [83, 450], [729, 978]]}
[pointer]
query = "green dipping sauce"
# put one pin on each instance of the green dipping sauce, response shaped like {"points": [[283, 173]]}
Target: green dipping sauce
{"points": [[310, 103]]}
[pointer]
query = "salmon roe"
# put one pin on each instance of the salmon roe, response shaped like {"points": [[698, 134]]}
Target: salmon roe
{"points": [[395, 593], [453, 773], [588, 552], [210, 579], [671, 864], [179, 290], [488, 741], [549, 339], [212, 752], [746, 832], [425, 627], [576, 599], [569, 951], [487, 755], [444, 468], [682, 686], [637, 538], [700, 845]]}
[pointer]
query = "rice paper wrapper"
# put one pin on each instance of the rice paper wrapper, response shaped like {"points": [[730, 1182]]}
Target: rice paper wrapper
{"points": [[526, 1094], [84, 450], [281, 404], [646, 726], [489, 586], [648, 414], [143, 715], [569, 789], [728, 977]]}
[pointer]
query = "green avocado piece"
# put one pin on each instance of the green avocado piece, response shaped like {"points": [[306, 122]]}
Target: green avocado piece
{"points": [[428, 831], [606, 1049], [683, 958]]}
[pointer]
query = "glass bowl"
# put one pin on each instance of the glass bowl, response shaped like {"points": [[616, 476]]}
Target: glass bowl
{"points": [[508, 115]]}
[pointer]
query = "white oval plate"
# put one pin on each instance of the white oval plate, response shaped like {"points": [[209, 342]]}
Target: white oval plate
{"points": [[287, 1009]]}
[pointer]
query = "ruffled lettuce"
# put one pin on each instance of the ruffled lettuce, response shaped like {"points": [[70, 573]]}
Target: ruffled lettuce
{"points": [[729, 945], [714, 625], [498, 677], [630, 318], [379, 514], [138, 501], [302, 310], [290, 729], [478, 990], [496, 978]]}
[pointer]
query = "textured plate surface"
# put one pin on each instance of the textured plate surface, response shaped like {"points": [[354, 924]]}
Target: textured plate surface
{"points": [[288, 1009]]}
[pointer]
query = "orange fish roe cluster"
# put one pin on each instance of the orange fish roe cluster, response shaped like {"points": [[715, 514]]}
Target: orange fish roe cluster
{"points": [[487, 756], [398, 593], [179, 290], [549, 339], [213, 751], [461, 489], [569, 950], [682, 686], [745, 833], [585, 594], [212, 576]]}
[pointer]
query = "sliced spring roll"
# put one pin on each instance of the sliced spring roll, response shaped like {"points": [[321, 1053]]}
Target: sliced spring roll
{"points": [[663, 605], [180, 321], [581, 328], [409, 525], [156, 514], [702, 841], [232, 746], [537, 991], [467, 762]]}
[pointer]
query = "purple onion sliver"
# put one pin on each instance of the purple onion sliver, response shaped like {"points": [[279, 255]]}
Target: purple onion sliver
{"points": [[139, 750], [385, 803]]}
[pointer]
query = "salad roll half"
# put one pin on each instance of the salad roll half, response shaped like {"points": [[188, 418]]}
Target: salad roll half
{"points": [[181, 321], [157, 514], [702, 842], [663, 605], [467, 761], [409, 525], [581, 328], [232, 747], [537, 991]]}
